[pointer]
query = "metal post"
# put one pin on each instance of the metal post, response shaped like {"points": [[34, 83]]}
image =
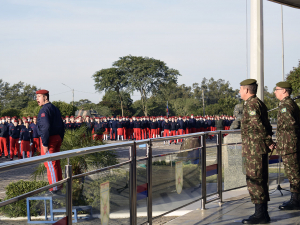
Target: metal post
{"points": [[149, 182], [219, 160], [203, 165], [132, 186], [68, 169], [282, 34], [257, 46]]}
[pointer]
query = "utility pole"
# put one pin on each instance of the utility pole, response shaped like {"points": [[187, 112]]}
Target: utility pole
{"points": [[72, 93], [203, 102]]}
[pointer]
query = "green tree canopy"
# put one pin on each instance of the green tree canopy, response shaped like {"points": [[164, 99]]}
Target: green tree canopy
{"points": [[65, 109], [112, 79], [294, 78], [145, 75]]}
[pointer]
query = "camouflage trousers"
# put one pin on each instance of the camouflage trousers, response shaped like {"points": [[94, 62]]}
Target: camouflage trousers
{"points": [[292, 170], [257, 178]]}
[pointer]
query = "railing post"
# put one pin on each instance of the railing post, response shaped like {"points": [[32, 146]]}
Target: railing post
{"points": [[149, 182], [68, 169], [220, 168], [203, 165], [132, 186]]}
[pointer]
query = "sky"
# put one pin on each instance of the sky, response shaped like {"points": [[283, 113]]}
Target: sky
{"points": [[47, 43]]}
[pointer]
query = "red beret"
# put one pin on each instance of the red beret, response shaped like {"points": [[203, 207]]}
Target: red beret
{"points": [[26, 121], [43, 92], [34, 117]]}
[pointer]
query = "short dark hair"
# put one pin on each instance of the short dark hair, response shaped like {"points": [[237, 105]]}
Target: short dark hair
{"points": [[289, 90], [252, 88], [47, 95]]}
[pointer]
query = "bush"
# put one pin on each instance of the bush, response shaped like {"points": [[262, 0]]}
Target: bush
{"points": [[19, 208], [11, 112]]}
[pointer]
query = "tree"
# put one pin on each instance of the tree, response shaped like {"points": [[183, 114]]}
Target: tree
{"points": [[32, 109], [294, 78], [82, 102], [111, 100], [11, 112], [16, 96], [145, 75], [65, 109], [112, 79]]}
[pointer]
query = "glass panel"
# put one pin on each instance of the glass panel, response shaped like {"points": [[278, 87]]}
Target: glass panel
{"points": [[142, 192], [176, 180], [211, 170], [43, 207], [106, 192]]}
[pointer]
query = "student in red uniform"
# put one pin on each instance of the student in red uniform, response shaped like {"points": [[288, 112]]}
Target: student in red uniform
{"points": [[35, 137], [14, 134], [3, 138], [26, 140], [51, 130]]}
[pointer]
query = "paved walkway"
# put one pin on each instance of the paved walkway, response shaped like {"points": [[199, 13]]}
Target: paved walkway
{"points": [[235, 209]]}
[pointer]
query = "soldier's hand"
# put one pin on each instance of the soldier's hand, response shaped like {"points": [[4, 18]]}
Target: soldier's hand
{"points": [[272, 146]]}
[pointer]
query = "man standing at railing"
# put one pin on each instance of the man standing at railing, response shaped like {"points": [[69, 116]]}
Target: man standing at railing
{"points": [[256, 134], [288, 141], [51, 129]]}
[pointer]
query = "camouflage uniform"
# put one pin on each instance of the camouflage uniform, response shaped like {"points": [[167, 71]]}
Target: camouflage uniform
{"points": [[288, 144], [256, 137]]}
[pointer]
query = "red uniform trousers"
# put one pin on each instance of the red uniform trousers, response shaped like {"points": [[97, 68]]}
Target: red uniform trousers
{"points": [[153, 133], [36, 145], [125, 133], [166, 133], [130, 133], [54, 172], [3, 146], [138, 133], [193, 130], [187, 130], [144, 133], [173, 133], [120, 131], [15, 148], [25, 147], [158, 130], [148, 132], [180, 132]]}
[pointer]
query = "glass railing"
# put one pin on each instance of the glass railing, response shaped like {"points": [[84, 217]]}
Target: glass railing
{"points": [[148, 179]]}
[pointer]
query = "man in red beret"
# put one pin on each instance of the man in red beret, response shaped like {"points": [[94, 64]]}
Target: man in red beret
{"points": [[51, 130], [35, 136]]}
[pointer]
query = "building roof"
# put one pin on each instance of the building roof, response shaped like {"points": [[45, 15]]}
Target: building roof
{"points": [[292, 3]]}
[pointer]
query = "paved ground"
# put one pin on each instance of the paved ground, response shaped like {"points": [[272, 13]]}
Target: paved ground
{"points": [[234, 210]]}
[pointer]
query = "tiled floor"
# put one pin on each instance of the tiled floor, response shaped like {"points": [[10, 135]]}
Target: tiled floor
{"points": [[234, 211]]}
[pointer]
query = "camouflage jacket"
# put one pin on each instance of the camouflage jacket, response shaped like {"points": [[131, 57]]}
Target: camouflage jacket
{"points": [[255, 128], [288, 131]]}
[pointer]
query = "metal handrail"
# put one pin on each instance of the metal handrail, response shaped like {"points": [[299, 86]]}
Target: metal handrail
{"points": [[132, 168]]}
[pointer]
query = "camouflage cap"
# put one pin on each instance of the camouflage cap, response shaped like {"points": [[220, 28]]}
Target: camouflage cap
{"points": [[248, 82], [284, 84]]}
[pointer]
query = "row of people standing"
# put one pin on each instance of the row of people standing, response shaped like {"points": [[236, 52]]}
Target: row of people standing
{"points": [[18, 137], [139, 128]]}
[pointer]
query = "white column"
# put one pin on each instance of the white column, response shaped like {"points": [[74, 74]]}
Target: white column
{"points": [[257, 46]]}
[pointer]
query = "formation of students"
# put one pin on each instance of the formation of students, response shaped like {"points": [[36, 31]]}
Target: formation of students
{"points": [[19, 137], [138, 128]]}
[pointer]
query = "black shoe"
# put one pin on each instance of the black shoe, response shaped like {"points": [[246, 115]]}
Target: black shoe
{"points": [[6, 156], [292, 204], [11, 159], [261, 215]]}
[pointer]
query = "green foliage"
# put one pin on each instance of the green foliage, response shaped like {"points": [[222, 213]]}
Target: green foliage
{"points": [[19, 208], [11, 112], [16, 96], [145, 75], [294, 78], [111, 100], [65, 109], [271, 102], [112, 79], [32, 109]]}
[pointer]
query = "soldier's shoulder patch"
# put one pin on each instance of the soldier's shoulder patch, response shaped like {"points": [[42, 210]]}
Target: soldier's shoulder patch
{"points": [[252, 113], [283, 110]]}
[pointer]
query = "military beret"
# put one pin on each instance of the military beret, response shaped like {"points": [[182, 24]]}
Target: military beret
{"points": [[248, 82], [284, 84], [43, 92]]}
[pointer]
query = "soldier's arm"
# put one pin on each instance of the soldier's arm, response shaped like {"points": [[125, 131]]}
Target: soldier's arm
{"points": [[259, 130]]}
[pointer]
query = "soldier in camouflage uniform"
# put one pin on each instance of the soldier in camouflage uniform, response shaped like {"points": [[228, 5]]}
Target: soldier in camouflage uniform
{"points": [[288, 142], [256, 138]]}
